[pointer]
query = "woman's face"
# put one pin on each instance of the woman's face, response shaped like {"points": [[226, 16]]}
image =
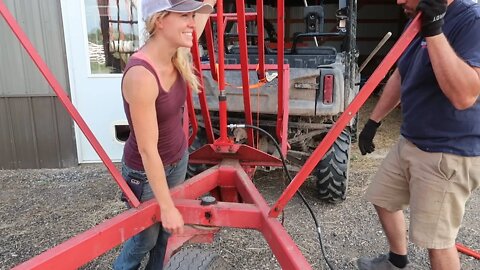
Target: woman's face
{"points": [[178, 28]]}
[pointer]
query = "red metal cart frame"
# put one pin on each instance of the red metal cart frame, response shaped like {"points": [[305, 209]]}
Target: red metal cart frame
{"points": [[240, 204]]}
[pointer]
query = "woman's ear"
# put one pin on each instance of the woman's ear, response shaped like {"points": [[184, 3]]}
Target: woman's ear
{"points": [[160, 23]]}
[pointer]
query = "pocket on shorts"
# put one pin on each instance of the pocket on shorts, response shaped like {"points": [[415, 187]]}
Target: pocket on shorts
{"points": [[136, 185], [447, 166], [474, 173]]}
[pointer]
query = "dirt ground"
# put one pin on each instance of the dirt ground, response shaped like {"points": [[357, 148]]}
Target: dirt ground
{"points": [[42, 208]]}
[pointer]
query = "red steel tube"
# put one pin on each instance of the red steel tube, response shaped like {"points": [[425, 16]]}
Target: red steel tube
{"points": [[86, 246], [201, 95], [222, 111], [221, 47], [211, 49], [467, 251], [260, 40], [282, 87], [282, 126], [202, 98], [222, 102], [282, 245], [242, 40], [346, 116], [67, 104]]}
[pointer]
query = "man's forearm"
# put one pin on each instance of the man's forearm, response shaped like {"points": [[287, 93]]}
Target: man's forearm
{"points": [[458, 81], [389, 98]]}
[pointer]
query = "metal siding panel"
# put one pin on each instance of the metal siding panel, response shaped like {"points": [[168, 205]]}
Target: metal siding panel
{"points": [[41, 21], [20, 111], [7, 157], [12, 79], [37, 133], [34, 82], [66, 137], [46, 132], [52, 27]]}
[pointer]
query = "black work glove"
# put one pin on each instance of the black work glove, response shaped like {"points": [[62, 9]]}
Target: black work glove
{"points": [[433, 12], [365, 140]]}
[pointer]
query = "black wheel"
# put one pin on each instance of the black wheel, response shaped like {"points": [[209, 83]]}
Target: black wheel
{"points": [[197, 259], [200, 140], [332, 171]]}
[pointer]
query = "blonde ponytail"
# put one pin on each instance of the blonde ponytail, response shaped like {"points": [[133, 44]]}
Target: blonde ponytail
{"points": [[182, 60]]}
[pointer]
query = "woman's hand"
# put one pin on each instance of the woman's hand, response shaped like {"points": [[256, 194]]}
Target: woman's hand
{"points": [[172, 220], [211, 2], [201, 19]]}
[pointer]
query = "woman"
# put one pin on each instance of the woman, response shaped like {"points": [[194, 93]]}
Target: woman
{"points": [[154, 89]]}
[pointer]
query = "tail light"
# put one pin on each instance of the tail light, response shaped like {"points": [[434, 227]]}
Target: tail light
{"points": [[328, 89]]}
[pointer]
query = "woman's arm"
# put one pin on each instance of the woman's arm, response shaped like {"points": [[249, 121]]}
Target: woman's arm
{"points": [[389, 99], [140, 91], [201, 19]]}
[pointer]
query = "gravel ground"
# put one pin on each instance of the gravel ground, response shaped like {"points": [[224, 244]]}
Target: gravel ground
{"points": [[42, 208]]}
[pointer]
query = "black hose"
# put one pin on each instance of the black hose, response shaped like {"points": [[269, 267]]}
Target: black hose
{"points": [[284, 163]]}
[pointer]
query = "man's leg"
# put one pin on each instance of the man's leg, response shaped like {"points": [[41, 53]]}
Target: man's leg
{"points": [[389, 193], [444, 259], [393, 224], [448, 180]]}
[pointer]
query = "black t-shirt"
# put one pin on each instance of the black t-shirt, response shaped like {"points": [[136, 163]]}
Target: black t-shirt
{"points": [[430, 121]]}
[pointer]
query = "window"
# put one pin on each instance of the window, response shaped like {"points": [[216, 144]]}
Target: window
{"points": [[112, 29]]}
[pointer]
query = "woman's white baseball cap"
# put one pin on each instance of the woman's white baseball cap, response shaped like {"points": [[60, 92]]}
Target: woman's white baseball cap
{"points": [[150, 7]]}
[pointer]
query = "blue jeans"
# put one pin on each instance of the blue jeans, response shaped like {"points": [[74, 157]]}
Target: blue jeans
{"points": [[153, 239]]}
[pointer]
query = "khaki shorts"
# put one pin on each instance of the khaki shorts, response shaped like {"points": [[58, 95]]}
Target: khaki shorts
{"points": [[435, 185]]}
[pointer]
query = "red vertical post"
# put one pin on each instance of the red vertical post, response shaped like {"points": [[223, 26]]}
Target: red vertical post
{"points": [[280, 63], [201, 95], [283, 132], [242, 39], [211, 49], [222, 98], [260, 40]]}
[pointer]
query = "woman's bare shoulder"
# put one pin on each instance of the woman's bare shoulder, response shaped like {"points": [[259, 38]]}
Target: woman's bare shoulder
{"points": [[139, 83]]}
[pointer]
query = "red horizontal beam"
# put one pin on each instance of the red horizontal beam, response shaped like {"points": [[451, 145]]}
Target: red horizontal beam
{"points": [[89, 245], [283, 247], [249, 16], [221, 214], [95, 242], [239, 67]]}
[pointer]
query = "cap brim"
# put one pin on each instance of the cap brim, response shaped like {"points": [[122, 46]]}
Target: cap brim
{"points": [[192, 6]]}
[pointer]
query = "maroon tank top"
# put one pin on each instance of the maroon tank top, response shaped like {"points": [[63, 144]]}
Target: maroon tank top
{"points": [[172, 142]]}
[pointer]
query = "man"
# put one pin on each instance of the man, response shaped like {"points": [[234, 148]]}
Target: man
{"points": [[435, 165]]}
